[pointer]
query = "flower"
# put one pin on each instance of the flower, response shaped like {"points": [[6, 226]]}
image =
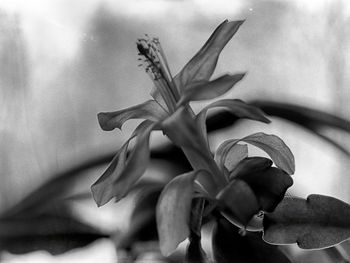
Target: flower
{"points": [[240, 186]]}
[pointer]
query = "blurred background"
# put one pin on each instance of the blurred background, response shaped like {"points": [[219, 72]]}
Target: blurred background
{"points": [[62, 62]]}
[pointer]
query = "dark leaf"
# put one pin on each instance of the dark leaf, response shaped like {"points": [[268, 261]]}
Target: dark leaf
{"points": [[55, 245], [229, 246], [251, 165], [238, 202], [317, 222], [55, 231], [269, 186], [304, 116]]}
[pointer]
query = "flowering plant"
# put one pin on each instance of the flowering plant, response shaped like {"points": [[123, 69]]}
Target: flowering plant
{"points": [[249, 192]]}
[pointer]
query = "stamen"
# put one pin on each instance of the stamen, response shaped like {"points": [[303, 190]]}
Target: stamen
{"points": [[162, 54], [164, 67], [157, 68]]}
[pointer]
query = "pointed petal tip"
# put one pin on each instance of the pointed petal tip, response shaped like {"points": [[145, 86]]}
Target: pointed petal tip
{"points": [[237, 22], [242, 74], [166, 252], [103, 121], [99, 199], [239, 76], [94, 196], [266, 120]]}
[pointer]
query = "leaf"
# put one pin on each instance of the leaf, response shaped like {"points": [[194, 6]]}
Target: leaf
{"points": [[55, 244], [173, 211], [229, 154], [150, 110], [229, 246], [238, 202], [55, 230], [275, 148], [269, 186], [123, 172], [206, 90], [304, 116], [203, 64], [317, 222]]}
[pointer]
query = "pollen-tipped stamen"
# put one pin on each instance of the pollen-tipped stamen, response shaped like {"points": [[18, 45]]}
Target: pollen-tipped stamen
{"points": [[156, 66]]}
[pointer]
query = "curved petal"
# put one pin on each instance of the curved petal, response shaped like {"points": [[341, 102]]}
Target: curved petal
{"points": [[124, 169], [150, 110], [273, 146], [206, 90], [238, 108], [202, 65], [173, 211], [229, 154], [235, 106]]}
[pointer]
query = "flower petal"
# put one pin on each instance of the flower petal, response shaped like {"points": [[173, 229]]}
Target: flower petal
{"points": [[173, 211], [202, 65], [155, 94], [124, 170], [150, 110], [206, 90], [235, 106], [275, 148], [182, 129], [229, 154]]}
